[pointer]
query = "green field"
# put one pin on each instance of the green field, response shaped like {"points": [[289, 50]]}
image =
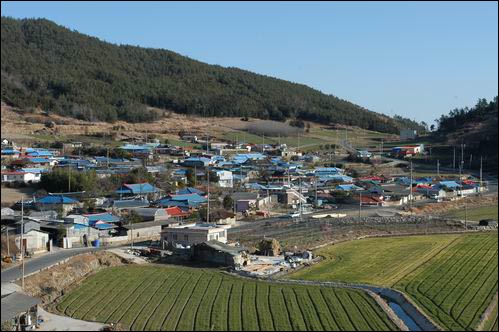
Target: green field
{"points": [[476, 214], [451, 277], [374, 261], [185, 299]]}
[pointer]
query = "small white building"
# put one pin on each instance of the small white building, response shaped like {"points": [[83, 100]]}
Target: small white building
{"points": [[151, 214], [194, 234], [18, 176], [34, 240], [406, 134], [225, 179]]}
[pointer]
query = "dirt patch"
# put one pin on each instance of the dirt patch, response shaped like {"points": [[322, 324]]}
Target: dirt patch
{"points": [[50, 284], [11, 195], [17, 125], [442, 208]]}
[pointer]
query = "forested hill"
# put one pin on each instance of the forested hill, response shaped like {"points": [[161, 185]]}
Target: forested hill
{"points": [[44, 64], [476, 127]]}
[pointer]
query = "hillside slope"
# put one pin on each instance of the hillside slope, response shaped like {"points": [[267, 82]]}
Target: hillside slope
{"points": [[476, 127], [63, 71]]}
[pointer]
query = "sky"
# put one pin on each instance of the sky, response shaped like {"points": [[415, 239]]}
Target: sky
{"points": [[415, 59]]}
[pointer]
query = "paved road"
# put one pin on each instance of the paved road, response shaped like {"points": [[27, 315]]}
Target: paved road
{"points": [[37, 263]]}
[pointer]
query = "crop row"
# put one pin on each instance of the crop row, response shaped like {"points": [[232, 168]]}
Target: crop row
{"points": [[456, 285], [182, 299]]}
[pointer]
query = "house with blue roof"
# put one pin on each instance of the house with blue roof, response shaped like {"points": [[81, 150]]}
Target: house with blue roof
{"points": [[35, 170], [435, 192], [56, 199], [126, 204], [452, 185], [65, 203], [188, 191], [132, 189], [40, 153], [403, 181], [424, 180], [40, 161], [335, 179], [136, 148], [105, 217], [196, 162], [11, 152], [348, 187], [190, 201], [242, 158]]}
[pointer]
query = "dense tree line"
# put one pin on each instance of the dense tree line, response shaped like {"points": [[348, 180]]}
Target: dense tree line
{"points": [[476, 127], [63, 71], [459, 117]]}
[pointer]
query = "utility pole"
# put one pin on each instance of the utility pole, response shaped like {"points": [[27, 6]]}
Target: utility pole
{"points": [[316, 191], [298, 150], [22, 241], [208, 209], [131, 233], [195, 175], [301, 208], [207, 143], [454, 160], [438, 168], [360, 206], [410, 192], [7, 234], [465, 213], [263, 143], [69, 178], [481, 173], [381, 152], [462, 155], [107, 155]]}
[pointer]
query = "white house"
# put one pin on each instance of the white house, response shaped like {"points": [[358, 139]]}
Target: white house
{"points": [[225, 179], [18, 176], [194, 234], [34, 240]]}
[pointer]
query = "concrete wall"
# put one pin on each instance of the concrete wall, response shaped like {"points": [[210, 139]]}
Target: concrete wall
{"points": [[145, 232]]}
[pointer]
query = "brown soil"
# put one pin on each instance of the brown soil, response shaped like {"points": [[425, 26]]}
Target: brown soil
{"points": [[442, 208], [19, 125], [50, 284], [11, 195], [13, 250]]}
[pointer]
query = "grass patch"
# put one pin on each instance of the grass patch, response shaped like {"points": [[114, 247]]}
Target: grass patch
{"points": [[476, 214], [453, 278]]}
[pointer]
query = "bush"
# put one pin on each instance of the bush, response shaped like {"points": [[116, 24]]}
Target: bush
{"points": [[228, 202]]}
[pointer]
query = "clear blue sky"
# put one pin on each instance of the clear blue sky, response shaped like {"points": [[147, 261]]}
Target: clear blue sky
{"points": [[415, 59]]}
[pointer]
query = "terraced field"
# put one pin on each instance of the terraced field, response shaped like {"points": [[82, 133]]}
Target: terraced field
{"points": [[185, 299], [453, 278], [457, 285]]}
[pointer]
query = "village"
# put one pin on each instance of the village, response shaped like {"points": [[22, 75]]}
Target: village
{"points": [[196, 196]]}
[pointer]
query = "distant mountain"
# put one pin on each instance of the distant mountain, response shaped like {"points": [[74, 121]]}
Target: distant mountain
{"points": [[63, 71]]}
